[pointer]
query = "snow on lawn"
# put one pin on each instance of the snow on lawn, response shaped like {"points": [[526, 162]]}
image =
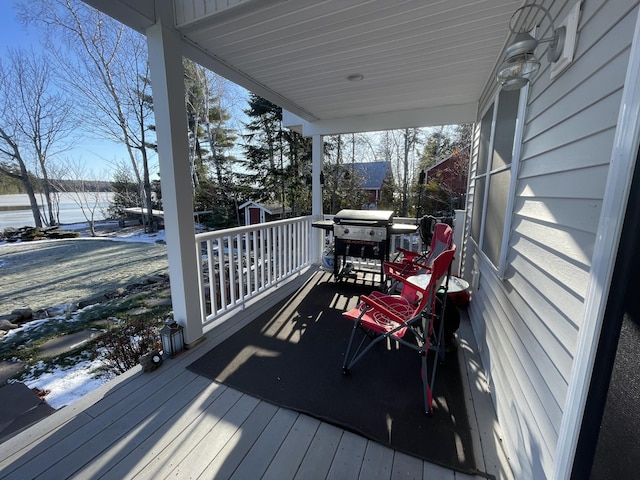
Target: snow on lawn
{"points": [[125, 235], [66, 385]]}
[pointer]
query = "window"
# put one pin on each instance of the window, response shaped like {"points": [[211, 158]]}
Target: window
{"points": [[499, 134]]}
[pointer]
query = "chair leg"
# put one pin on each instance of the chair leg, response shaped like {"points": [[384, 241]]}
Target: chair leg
{"points": [[425, 385], [439, 338], [430, 342], [350, 359], [346, 364]]}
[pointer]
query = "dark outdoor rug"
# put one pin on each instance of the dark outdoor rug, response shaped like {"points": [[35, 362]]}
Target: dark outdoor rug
{"points": [[292, 356]]}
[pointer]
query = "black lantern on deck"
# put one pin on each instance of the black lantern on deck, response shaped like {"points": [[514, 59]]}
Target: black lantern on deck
{"points": [[172, 335]]}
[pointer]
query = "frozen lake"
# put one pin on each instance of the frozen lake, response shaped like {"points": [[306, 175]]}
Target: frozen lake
{"points": [[15, 210]]}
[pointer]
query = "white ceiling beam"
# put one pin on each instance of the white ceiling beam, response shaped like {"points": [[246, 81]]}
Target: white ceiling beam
{"points": [[423, 117]]}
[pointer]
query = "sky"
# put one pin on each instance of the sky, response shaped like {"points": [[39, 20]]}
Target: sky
{"points": [[98, 156]]}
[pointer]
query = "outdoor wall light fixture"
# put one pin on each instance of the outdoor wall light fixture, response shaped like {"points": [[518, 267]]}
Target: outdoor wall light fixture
{"points": [[520, 63]]}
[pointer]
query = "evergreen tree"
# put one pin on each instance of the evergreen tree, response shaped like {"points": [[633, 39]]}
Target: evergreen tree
{"points": [[264, 151], [125, 193], [278, 161]]}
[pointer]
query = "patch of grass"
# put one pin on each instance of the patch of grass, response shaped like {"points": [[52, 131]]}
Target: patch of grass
{"points": [[24, 345]]}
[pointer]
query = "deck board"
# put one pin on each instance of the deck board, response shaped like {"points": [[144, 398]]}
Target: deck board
{"points": [[257, 460], [406, 467], [24, 462], [215, 424], [225, 461], [286, 461], [348, 459], [377, 462], [120, 424], [319, 456], [175, 423], [147, 448]]}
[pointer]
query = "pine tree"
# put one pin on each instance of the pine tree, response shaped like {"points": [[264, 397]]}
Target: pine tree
{"points": [[278, 160]]}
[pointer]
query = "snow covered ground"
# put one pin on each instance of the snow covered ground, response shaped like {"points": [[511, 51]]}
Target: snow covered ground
{"points": [[68, 384]]}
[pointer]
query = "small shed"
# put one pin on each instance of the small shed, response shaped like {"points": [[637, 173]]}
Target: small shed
{"points": [[255, 212]]}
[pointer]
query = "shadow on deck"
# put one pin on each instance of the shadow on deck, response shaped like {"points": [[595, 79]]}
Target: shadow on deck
{"points": [[175, 423]]}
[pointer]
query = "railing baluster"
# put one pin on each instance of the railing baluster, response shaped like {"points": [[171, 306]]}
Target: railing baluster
{"points": [[278, 249], [212, 277], [222, 274], [271, 256]]}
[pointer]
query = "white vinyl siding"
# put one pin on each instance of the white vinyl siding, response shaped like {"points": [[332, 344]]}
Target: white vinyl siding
{"points": [[527, 319]]}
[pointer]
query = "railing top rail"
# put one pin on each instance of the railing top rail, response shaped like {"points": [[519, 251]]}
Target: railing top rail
{"points": [[248, 228]]}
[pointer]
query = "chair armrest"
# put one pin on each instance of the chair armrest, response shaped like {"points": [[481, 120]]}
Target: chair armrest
{"points": [[404, 281], [409, 254], [376, 305]]}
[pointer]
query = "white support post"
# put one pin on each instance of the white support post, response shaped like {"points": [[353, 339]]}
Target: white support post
{"points": [[316, 196], [167, 82]]}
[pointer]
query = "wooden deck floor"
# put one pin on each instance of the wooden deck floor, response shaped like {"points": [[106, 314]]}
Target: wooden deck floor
{"points": [[173, 423]]}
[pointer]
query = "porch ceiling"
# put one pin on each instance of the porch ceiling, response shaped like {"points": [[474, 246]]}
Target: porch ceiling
{"points": [[422, 62]]}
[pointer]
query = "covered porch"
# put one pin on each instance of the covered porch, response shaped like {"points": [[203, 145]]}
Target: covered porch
{"points": [[173, 422], [552, 165]]}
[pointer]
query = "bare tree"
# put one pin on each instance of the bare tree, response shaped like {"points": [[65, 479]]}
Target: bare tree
{"points": [[105, 63], [36, 122], [80, 185], [13, 165], [399, 147], [42, 115]]}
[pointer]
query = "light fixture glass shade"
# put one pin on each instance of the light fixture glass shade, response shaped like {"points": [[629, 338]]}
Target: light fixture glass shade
{"points": [[516, 72]]}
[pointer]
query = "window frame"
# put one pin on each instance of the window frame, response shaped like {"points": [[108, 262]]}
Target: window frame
{"points": [[513, 167]]}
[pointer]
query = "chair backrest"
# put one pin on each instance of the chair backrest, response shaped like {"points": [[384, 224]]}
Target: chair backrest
{"points": [[427, 296], [439, 270], [442, 240]]}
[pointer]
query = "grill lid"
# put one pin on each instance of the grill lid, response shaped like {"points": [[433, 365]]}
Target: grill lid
{"points": [[364, 217]]}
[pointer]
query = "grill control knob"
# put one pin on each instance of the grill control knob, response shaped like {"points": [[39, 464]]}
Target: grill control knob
{"points": [[372, 233], [346, 230]]}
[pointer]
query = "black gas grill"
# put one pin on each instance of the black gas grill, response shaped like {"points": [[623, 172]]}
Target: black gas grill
{"points": [[362, 234]]}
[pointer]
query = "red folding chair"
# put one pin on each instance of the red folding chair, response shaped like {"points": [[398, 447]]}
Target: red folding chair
{"points": [[381, 316], [413, 263]]}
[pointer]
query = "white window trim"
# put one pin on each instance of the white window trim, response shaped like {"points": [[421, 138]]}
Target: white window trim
{"points": [[487, 173], [514, 167]]}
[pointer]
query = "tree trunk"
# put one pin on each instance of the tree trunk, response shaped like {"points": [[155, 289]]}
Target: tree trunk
{"points": [[47, 196], [405, 174], [23, 176], [32, 196]]}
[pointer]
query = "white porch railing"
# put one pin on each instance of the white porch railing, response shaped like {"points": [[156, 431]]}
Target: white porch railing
{"points": [[237, 264]]}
